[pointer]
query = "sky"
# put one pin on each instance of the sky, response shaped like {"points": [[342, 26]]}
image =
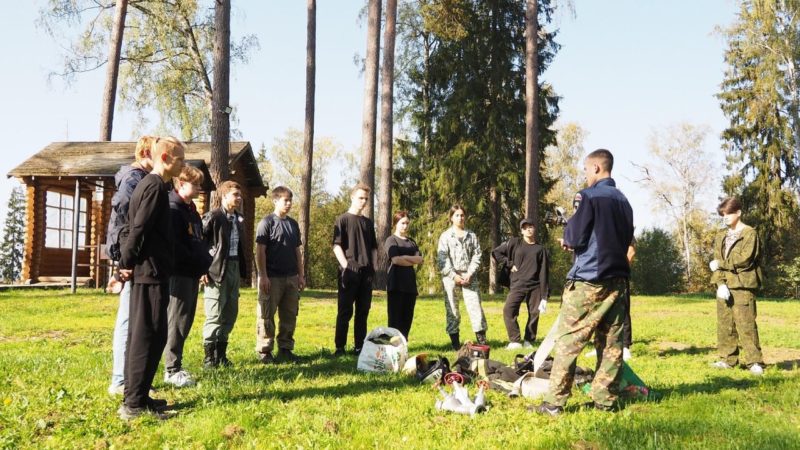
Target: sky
{"points": [[626, 68]]}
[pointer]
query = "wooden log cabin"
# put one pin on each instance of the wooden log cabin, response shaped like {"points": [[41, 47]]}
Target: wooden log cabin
{"points": [[53, 175]]}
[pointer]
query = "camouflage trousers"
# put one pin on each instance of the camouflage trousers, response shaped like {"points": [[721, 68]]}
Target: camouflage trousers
{"points": [[736, 323], [587, 308], [472, 299]]}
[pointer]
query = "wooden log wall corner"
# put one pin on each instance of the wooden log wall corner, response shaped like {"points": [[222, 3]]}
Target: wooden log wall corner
{"points": [[34, 234]]}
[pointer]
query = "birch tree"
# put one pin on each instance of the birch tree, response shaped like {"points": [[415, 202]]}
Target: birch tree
{"points": [[680, 179]]}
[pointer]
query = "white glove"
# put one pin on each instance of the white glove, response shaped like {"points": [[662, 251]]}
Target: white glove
{"points": [[723, 292], [543, 306], [713, 265]]}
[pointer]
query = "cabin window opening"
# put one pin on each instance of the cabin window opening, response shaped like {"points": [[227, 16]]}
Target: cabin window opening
{"points": [[58, 221]]}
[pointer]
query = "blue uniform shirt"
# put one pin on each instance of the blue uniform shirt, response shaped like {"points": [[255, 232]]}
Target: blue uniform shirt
{"points": [[600, 232]]}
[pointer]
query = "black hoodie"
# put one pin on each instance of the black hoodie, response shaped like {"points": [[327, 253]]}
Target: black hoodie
{"points": [[191, 254]]}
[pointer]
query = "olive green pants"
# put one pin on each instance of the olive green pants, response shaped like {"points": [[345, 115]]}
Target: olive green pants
{"points": [[736, 327]]}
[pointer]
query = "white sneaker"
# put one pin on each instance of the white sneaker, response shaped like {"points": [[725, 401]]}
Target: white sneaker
{"points": [[527, 344], [119, 389], [626, 354], [721, 365], [179, 379], [116, 389], [513, 346], [591, 353], [756, 369]]}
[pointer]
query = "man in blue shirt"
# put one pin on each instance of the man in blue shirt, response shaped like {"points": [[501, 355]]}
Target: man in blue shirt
{"points": [[599, 234]]}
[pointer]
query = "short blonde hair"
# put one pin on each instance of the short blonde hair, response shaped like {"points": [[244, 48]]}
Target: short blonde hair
{"points": [[190, 174], [144, 147], [166, 145]]}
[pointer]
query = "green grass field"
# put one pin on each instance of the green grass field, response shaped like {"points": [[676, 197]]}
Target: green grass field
{"points": [[55, 364]]}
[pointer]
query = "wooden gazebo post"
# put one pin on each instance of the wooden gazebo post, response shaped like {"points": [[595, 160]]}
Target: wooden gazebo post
{"points": [[76, 217]]}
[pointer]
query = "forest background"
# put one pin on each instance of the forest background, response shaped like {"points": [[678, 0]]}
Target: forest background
{"points": [[615, 76]]}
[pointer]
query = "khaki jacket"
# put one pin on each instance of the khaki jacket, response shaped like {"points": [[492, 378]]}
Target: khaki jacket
{"points": [[740, 269]]}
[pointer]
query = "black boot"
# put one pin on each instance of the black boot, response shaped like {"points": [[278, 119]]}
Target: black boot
{"points": [[222, 357], [481, 337], [455, 341], [210, 361]]}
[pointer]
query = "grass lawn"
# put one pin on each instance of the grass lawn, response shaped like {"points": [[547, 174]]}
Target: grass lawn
{"points": [[55, 364]]}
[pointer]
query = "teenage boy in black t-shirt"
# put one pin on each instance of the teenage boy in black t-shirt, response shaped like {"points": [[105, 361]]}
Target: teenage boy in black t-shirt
{"points": [[356, 250], [529, 283], [280, 278]]}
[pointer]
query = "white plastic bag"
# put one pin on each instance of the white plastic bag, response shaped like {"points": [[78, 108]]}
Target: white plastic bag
{"points": [[387, 356]]}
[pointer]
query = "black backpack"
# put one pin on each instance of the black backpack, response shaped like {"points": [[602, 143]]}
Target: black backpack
{"points": [[113, 248]]}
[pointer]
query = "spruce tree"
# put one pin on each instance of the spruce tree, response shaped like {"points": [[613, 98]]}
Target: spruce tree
{"points": [[13, 237], [463, 92], [760, 98]]}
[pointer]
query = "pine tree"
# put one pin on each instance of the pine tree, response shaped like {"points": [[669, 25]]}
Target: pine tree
{"points": [[13, 237]]}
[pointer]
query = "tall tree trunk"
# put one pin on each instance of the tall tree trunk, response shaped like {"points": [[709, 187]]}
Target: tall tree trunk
{"points": [[532, 138], [370, 100], [308, 131], [494, 235], [686, 246], [112, 73], [387, 122], [220, 112]]}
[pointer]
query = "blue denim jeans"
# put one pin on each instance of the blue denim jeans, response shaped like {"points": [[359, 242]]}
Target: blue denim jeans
{"points": [[121, 336]]}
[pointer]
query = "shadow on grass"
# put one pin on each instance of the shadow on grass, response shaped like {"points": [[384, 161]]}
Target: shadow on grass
{"points": [[363, 386], [789, 364], [711, 386], [690, 350], [320, 366]]}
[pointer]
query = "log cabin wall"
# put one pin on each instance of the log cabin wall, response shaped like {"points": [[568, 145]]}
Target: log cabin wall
{"points": [[34, 233], [56, 168], [101, 213]]}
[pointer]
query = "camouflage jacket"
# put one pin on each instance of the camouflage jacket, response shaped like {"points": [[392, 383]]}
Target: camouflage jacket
{"points": [[738, 269], [458, 255]]}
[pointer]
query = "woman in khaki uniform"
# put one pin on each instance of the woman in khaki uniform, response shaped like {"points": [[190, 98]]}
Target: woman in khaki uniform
{"points": [[737, 276]]}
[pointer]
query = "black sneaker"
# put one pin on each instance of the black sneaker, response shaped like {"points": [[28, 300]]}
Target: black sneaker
{"points": [[604, 408], [266, 358], [127, 413], [287, 355], [547, 409], [225, 362], [339, 352], [357, 351], [156, 404]]}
